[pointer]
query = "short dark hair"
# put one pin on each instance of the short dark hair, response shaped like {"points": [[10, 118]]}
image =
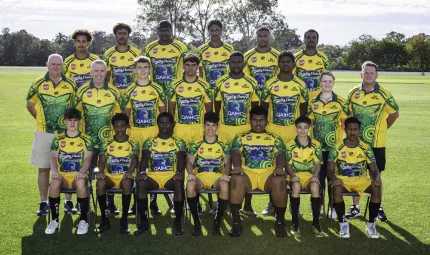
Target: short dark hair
{"points": [[302, 119], [142, 59], [83, 32], [352, 120], [236, 54], [165, 115], [312, 31], [212, 117], [119, 117], [258, 110], [369, 63], [72, 114], [191, 57], [286, 53], [262, 28], [214, 22], [119, 26], [164, 24]]}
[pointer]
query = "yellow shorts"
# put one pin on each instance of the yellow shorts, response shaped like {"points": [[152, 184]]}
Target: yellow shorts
{"points": [[356, 183], [116, 179], [227, 133], [305, 179], [287, 133], [258, 177], [208, 179], [69, 178], [161, 177], [188, 132]]}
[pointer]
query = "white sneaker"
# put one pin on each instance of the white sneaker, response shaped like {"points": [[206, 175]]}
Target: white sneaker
{"points": [[344, 230], [52, 227], [332, 213], [82, 228], [371, 230]]}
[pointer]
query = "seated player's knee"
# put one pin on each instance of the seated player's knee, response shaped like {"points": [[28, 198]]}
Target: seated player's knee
{"points": [[314, 188], [126, 186], [376, 194], [223, 190], [191, 188], [178, 185], [236, 181], [100, 187], [55, 186]]}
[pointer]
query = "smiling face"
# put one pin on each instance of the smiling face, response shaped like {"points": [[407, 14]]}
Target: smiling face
{"points": [[327, 83], [142, 70], [55, 66], [302, 129], [369, 75], [236, 64], [210, 128]]}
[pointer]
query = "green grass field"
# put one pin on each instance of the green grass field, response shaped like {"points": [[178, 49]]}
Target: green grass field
{"points": [[406, 194]]}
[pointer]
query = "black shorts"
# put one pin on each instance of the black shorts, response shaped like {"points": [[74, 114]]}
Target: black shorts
{"points": [[380, 158]]}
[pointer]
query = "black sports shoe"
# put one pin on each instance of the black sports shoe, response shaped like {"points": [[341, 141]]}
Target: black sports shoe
{"points": [[155, 211], [142, 228], [43, 209], [132, 210], [123, 226], [216, 228], [102, 227], [113, 210], [69, 208], [381, 215], [177, 228], [280, 230], [236, 229], [249, 212], [197, 230], [353, 212], [269, 210]]}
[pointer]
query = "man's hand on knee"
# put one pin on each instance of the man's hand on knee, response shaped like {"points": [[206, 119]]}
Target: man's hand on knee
{"points": [[100, 175], [338, 182], [79, 175], [191, 177], [278, 172], [225, 178], [128, 175], [377, 182], [178, 176], [237, 171], [314, 179], [56, 176], [295, 178]]}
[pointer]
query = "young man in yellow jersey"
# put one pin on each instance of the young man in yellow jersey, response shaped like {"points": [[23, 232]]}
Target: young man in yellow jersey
{"points": [[118, 159], [77, 65], [304, 159], [190, 99], [214, 55], [71, 153], [285, 96], [262, 61], [162, 167], [258, 163], [47, 99], [310, 62], [377, 110], [167, 56], [120, 59], [208, 166], [347, 167]]}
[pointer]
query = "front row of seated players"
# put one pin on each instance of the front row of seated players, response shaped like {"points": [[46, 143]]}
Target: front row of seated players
{"points": [[71, 157]]}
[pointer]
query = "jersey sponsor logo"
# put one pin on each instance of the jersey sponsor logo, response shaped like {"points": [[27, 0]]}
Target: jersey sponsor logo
{"points": [[172, 51], [235, 109], [70, 162], [65, 87], [113, 59], [130, 59], [316, 106], [333, 107], [111, 148], [261, 74], [163, 49], [188, 110], [207, 54], [350, 169], [73, 66], [81, 79], [164, 69], [123, 76], [89, 94], [155, 50], [45, 86], [56, 93], [276, 88], [134, 93], [162, 161], [254, 59], [216, 70], [359, 156], [301, 62], [144, 117], [118, 165], [63, 144]]}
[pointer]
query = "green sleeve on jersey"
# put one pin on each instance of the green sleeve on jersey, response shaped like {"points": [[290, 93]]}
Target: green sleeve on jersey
{"points": [[182, 146], [226, 149], [32, 91], [345, 108], [305, 93], [332, 155], [279, 144], [135, 148], [193, 148], [318, 152], [54, 145], [103, 146], [392, 103], [89, 144], [147, 144], [288, 154], [237, 143], [370, 157]]}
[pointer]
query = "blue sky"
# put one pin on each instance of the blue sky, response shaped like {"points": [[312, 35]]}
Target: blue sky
{"points": [[338, 21]]}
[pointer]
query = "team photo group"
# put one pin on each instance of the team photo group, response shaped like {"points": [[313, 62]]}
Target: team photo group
{"points": [[216, 120]]}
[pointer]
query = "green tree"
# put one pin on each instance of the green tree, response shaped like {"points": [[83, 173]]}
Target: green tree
{"points": [[418, 47]]}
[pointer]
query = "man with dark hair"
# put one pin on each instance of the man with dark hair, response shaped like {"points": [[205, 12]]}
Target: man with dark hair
{"points": [[77, 65], [47, 99], [347, 166], [263, 169], [162, 167], [190, 99], [208, 166], [310, 62], [377, 110], [120, 59], [117, 161], [261, 61], [304, 159], [166, 56], [214, 54], [70, 160]]}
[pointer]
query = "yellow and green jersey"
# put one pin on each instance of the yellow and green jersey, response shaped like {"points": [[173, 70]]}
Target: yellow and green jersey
{"points": [[51, 101], [284, 98], [236, 96], [163, 153], [71, 151], [121, 66], [303, 158], [261, 65], [327, 126], [98, 107], [214, 61], [190, 99], [167, 62], [351, 161], [209, 157], [79, 69], [372, 109], [309, 68], [258, 149], [144, 102], [118, 155]]}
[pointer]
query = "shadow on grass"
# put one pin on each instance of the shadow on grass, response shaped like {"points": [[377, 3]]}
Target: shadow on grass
{"points": [[257, 238]]}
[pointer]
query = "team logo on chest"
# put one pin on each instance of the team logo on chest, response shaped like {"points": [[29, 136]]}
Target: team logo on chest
{"points": [[343, 154], [111, 148], [301, 62], [73, 66], [134, 94], [207, 54], [63, 144], [227, 85], [45, 86], [89, 94], [181, 89], [315, 106], [201, 150], [276, 88], [113, 59], [254, 59], [155, 51]]}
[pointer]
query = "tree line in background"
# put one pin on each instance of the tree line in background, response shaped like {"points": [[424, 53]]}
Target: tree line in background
{"points": [[189, 19]]}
